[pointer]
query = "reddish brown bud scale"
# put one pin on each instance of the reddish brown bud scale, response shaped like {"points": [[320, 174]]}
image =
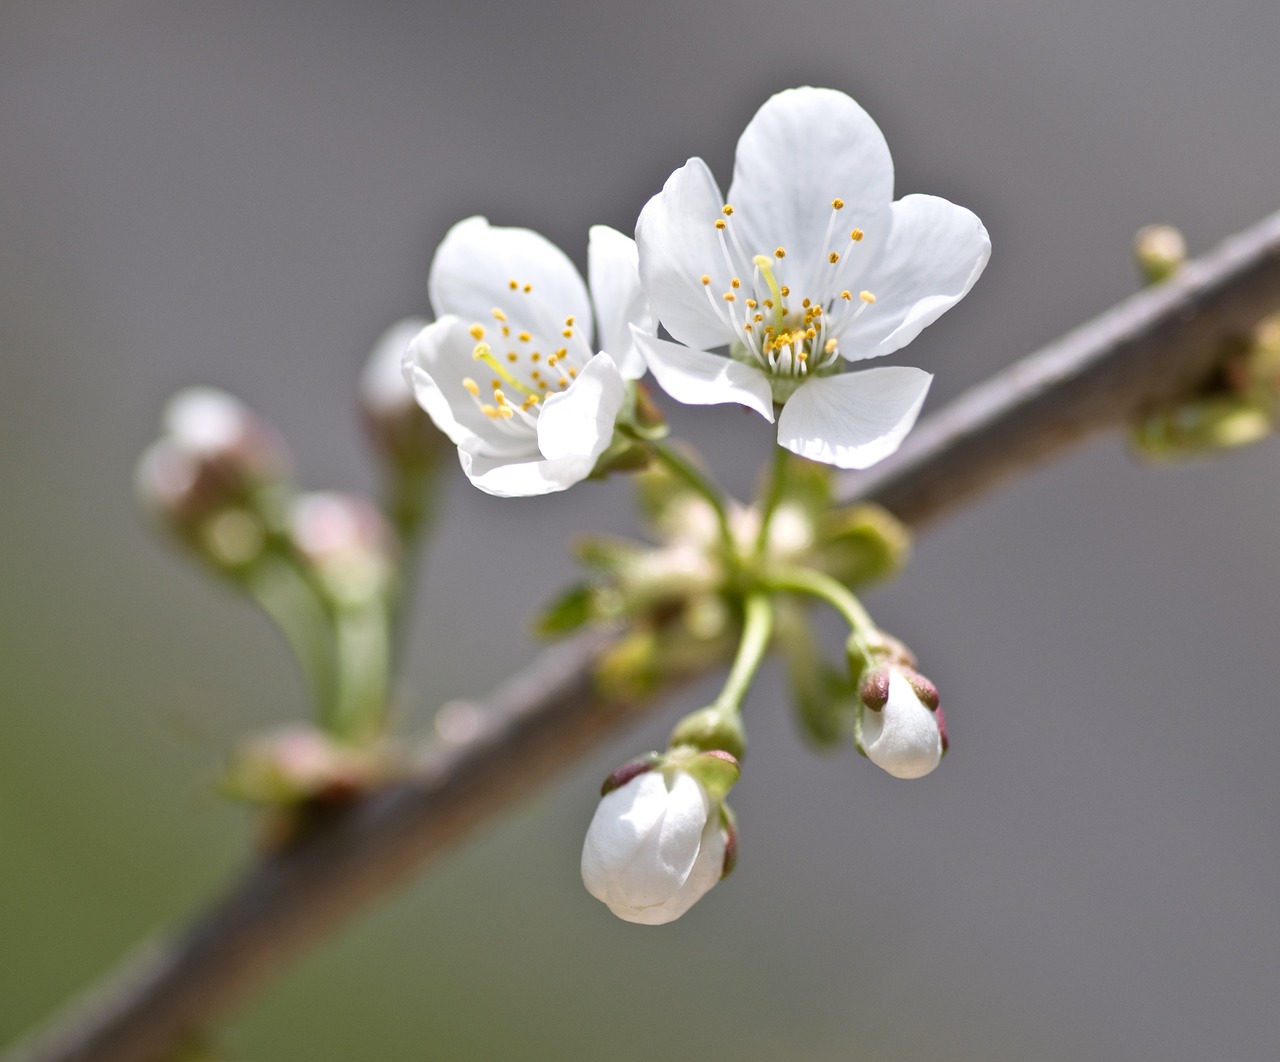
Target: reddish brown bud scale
{"points": [[628, 771], [924, 689], [874, 689]]}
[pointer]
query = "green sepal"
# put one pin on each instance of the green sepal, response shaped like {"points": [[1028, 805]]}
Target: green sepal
{"points": [[717, 771], [861, 544], [712, 728], [1201, 427]]}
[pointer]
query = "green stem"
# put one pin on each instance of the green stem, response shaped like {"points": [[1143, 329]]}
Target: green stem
{"points": [[834, 593], [757, 630], [773, 496], [288, 597], [362, 651]]}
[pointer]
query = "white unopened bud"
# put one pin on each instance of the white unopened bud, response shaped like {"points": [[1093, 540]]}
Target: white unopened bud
{"points": [[658, 843], [346, 540], [214, 455], [902, 729], [399, 427]]}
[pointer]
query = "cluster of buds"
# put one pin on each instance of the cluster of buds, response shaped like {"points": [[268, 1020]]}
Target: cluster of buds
{"points": [[215, 476], [899, 725], [662, 835]]}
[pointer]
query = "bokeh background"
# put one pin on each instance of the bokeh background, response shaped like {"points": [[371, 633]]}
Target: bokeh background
{"points": [[245, 194]]}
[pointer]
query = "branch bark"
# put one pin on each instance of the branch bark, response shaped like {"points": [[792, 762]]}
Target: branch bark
{"points": [[1148, 349]]}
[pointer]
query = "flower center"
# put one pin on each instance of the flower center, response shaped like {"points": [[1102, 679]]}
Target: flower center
{"points": [[788, 330], [532, 354]]}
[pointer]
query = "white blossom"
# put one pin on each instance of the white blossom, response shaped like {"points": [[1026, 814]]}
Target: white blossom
{"points": [[655, 847], [807, 265], [508, 370], [905, 737]]}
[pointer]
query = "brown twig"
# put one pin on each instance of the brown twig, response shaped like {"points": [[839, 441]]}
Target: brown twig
{"points": [[1150, 348]]}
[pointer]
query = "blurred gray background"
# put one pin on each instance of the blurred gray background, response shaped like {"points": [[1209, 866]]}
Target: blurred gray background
{"points": [[245, 194]]}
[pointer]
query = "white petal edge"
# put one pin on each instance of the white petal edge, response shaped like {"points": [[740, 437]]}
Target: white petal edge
{"points": [[613, 272], [802, 149], [513, 478], [697, 378], [677, 243], [579, 421], [475, 263], [935, 253], [436, 362], [854, 419]]}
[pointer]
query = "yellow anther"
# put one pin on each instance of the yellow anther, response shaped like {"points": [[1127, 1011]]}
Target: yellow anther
{"points": [[747, 328], [535, 356], [499, 397], [806, 304], [846, 295], [856, 235], [569, 321], [473, 388], [563, 352], [720, 224], [489, 411], [780, 252], [728, 296], [573, 374], [833, 258], [512, 285], [506, 332], [751, 304], [506, 412], [527, 288], [802, 355], [758, 318], [563, 383], [524, 337], [811, 333], [785, 291], [706, 280], [837, 204], [495, 385], [829, 347], [482, 352], [735, 283], [499, 314], [477, 332], [567, 333], [726, 210], [513, 356], [866, 297]]}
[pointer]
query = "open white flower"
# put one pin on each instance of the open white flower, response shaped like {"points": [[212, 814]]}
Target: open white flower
{"points": [[508, 370], [902, 729], [808, 264], [655, 847]]}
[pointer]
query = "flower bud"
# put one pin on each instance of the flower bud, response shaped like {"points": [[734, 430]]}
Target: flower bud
{"points": [[215, 455], [658, 842], [901, 729], [300, 763], [1160, 251], [400, 429], [346, 540], [710, 729]]}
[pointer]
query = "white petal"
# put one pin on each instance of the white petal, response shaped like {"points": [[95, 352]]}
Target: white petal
{"points": [[578, 422], [854, 419], [436, 362], [804, 148], [903, 738], [707, 871], [614, 273], [512, 477], [644, 840], [677, 242], [935, 252], [697, 378], [474, 265]]}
